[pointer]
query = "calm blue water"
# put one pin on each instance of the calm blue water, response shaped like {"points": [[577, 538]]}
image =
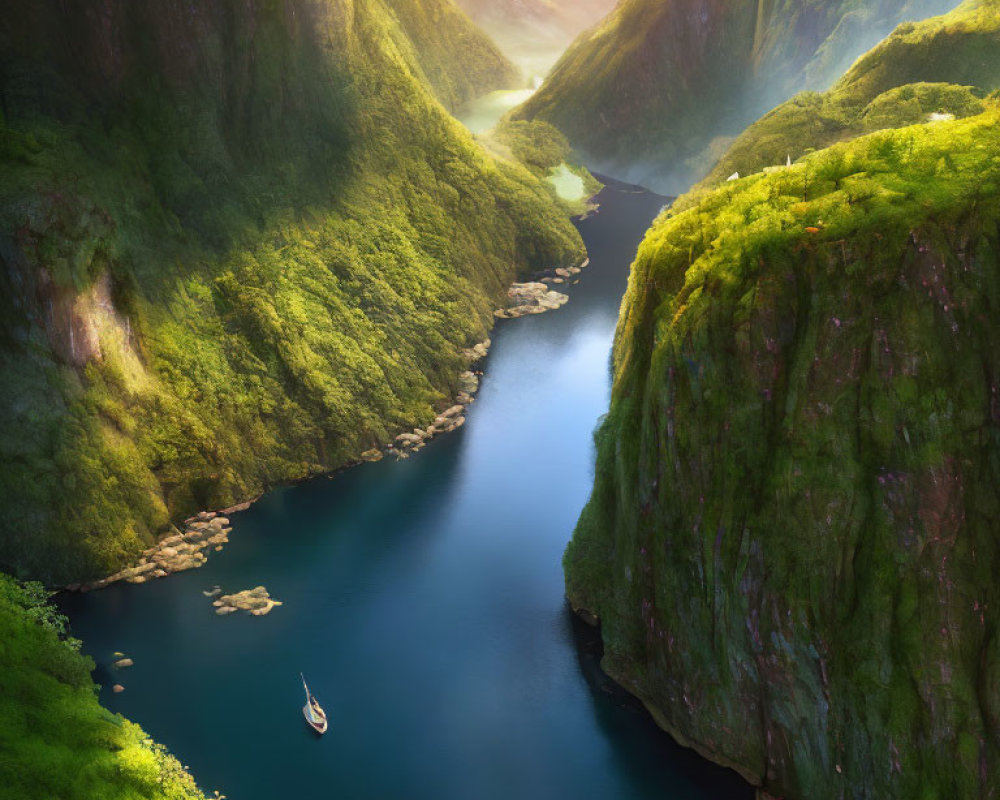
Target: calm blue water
{"points": [[424, 601]]}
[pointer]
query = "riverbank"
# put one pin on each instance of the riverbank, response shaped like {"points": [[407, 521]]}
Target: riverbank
{"points": [[423, 599], [188, 545]]}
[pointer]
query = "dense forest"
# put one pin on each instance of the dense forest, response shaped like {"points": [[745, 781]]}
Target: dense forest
{"points": [[242, 245]]}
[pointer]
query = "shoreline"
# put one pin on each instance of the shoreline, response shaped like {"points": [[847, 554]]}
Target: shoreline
{"points": [[183, 547]]}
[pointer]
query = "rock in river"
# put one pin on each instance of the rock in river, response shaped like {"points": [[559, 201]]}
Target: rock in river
{"points": [[531, 298], [256, 601]]}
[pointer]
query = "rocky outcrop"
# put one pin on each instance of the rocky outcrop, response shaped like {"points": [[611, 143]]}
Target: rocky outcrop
{"points": [[177, 552], [256, 602], [562, 275], [534, 297]]}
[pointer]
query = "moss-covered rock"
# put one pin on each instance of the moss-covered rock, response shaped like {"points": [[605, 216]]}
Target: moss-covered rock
{"points": [[240, 245], [791, 544]]}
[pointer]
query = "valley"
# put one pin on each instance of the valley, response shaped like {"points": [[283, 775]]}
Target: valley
{"points": [[589, 399]]}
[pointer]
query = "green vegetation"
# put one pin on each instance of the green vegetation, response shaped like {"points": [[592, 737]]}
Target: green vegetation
{"points": [[791, 543], [468, 67], [238, 249], [547, 154], [886, 88], [56, 740], [647, 94]]}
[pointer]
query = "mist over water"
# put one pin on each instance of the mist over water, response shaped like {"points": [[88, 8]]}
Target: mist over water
{"points": [[535, 33], [484, 112]]}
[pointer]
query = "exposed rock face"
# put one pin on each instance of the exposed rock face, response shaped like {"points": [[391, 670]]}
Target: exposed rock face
{"points": [[792, 547], [645, 95]]}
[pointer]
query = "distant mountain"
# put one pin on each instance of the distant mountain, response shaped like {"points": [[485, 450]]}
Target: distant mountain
{"points": [[535, 32], [568, 17], [649, 93], [943, 66]]}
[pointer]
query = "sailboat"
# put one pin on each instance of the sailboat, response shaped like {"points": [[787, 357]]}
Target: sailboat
{"points": [[312, 711]]}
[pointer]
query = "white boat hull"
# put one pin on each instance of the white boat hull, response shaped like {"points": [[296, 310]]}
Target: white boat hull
{"points": [[319, 725]]}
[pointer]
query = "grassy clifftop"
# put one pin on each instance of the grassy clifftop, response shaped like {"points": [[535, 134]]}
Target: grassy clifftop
{"points": [[57, 742], [240, 245], [944, 65], [645, 94], [791, 544]]}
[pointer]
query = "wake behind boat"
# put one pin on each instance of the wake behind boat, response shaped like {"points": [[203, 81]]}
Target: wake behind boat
{"points": [[313, 711]]}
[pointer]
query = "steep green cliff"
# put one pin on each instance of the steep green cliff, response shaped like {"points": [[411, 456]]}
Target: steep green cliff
{"points": [[240, 245], [459, 61], [792, 540], [648, 92], [944, 65], [57, 742]]}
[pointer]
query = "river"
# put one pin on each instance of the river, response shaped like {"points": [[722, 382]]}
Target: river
{"points": [[424, 601]]}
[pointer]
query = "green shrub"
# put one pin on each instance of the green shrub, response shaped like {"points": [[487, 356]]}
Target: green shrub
{"points": [[56, 740]]}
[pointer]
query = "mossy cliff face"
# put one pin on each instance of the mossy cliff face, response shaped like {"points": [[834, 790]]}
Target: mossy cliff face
{"points": [[240, 244], [791, 544], [646, 93], [941, 66]]}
